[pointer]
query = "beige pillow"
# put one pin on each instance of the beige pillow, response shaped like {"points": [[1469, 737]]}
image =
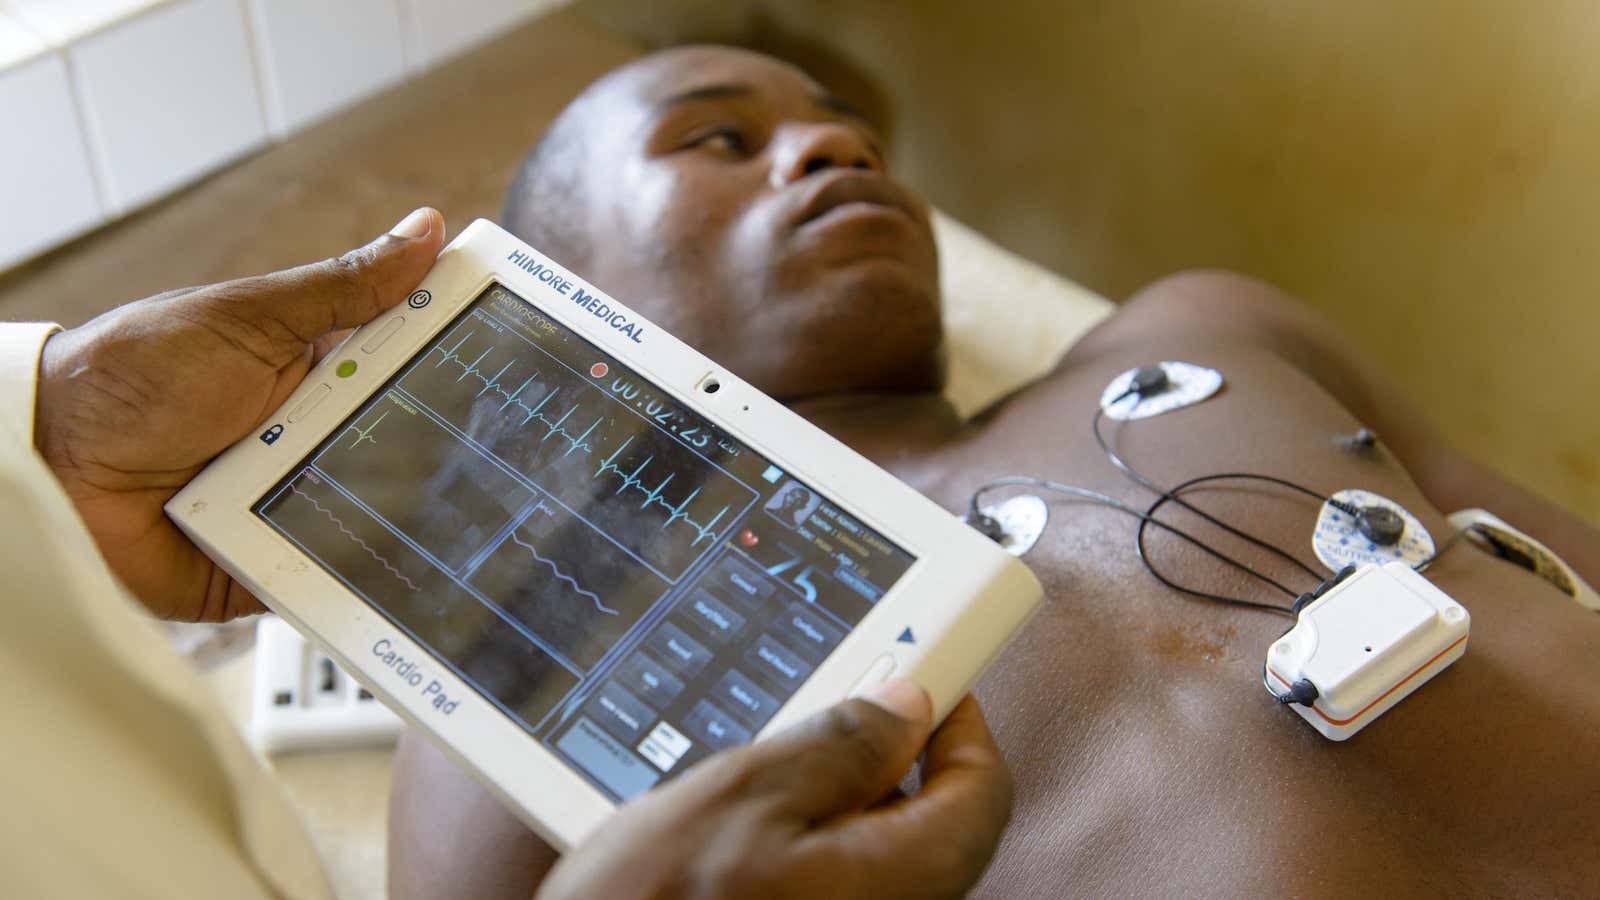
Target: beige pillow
{"points": [[1007, 321]]}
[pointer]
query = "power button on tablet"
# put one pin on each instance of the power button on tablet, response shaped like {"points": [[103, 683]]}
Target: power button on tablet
{"points": [[876, 674], [383, 334]]}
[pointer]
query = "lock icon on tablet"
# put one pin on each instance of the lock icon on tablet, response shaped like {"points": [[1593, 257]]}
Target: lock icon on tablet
{"points": [[271, 434]]}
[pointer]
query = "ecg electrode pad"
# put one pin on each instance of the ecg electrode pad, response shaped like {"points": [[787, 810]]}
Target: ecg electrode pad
{"points": [[1187, 384], [631, 585], [1339, 542], [1022, 519], [1523, 550]]}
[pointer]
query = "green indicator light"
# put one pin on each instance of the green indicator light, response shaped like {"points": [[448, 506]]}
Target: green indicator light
{"points": [[346, 368]]}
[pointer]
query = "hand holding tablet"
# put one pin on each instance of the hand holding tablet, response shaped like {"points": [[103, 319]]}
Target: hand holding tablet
{"points": [[132, 404], [798, 815]]}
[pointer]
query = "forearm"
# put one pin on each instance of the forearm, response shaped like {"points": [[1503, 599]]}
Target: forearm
{"points": [[449, 837]]}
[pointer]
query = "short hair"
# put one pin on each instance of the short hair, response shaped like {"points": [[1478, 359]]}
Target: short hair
{"points": [[542, 203]]}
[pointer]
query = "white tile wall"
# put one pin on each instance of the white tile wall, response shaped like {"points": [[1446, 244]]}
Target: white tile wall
{"points": [[45, 179], [18, 43], [439, 29], [107, 105], [61, 22], [168, 96], [318, 56]]}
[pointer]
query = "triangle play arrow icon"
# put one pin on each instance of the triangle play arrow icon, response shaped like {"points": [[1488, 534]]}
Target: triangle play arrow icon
{"points": [[906, 637]]}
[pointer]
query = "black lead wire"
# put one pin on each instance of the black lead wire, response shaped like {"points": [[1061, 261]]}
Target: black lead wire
{"points": [[1146, 519], [1149, 516], [1420, 566], [1444, 548], [1171, 494]]}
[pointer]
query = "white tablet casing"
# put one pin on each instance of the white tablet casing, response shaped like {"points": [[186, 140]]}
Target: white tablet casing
{"points": [[941, 624]]}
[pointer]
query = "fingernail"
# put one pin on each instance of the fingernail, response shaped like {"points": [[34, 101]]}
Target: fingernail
{"points": [[413, 226], [903, 697]]}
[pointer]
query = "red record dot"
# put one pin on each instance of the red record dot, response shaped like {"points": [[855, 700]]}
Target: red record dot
{"points": [[748, 538], [599, 370]]}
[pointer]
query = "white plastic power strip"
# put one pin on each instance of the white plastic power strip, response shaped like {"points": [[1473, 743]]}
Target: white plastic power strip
{"points": [[302, 700]]}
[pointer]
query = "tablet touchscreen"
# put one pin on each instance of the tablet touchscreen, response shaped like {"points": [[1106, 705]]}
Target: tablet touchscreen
{"points": [[628, 583]]}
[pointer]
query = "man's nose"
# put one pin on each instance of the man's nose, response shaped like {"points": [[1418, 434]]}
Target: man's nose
{"points": [[805, 148]]}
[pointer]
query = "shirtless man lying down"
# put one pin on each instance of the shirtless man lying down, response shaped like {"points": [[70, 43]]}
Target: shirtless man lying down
{"points": [[726, 197]]}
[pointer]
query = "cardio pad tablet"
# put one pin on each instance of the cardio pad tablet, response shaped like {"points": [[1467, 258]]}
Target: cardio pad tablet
{"points": [[514, 535], [519, 502]]}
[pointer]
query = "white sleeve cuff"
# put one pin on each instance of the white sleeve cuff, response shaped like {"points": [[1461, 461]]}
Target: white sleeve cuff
{"points": [[21, 344]]}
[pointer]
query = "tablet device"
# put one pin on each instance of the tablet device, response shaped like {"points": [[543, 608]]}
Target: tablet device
{"points": [[577, 553]]}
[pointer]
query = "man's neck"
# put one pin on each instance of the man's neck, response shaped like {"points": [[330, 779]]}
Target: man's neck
{"points": [[889, 429]]}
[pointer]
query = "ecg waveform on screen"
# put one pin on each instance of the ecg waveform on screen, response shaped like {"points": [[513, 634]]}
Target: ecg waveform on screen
{"points": [[630, 480], [577, 588], [529, 413], [653, 495], [364, 435], [339, 524]]}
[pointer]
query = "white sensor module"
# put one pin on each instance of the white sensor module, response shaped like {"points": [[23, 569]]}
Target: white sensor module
{"points": [[1365, 645]]}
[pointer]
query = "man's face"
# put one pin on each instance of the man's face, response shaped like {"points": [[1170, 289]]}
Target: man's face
{"points": [[741, 207]]}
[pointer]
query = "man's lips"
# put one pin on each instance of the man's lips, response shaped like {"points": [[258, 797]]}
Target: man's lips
{"points": [[850, 191], [855, 209]]}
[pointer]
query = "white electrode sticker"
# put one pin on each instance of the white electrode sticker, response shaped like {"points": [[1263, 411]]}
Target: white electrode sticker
{"points": [[1187, 385], [1523, 550], [1338, 542], [1023, 519]]}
